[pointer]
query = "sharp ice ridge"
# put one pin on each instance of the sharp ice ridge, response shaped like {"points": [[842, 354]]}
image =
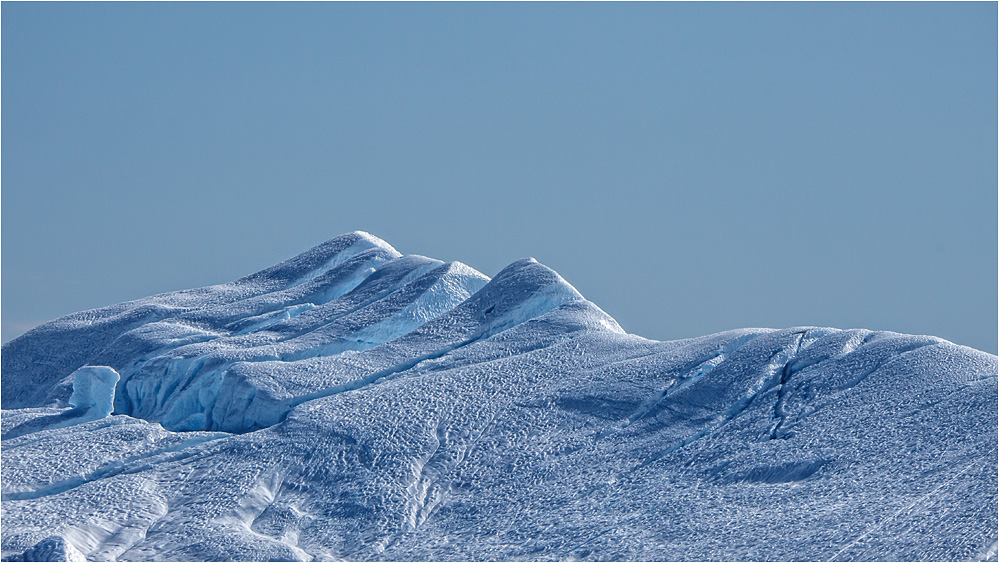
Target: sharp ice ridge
{"points": [[365, 242], [853, 382]]}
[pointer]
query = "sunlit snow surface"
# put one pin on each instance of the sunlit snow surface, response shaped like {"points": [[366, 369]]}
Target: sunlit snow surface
{"points": [[354, 403]]}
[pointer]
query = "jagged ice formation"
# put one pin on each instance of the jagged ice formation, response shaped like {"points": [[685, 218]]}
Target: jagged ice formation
{"points": [[356, 403]]}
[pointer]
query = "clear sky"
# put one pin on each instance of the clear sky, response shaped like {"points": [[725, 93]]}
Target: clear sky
{"points": [[690, 168]]}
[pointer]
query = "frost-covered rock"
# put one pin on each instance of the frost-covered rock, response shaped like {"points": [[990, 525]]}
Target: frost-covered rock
{"points": [[355, 403]]}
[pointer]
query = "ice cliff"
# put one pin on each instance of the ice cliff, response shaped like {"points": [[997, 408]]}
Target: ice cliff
{"points": [[355, 403]]}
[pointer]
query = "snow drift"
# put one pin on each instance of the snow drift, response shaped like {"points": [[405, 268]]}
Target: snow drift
{"points": [[356, 403]]}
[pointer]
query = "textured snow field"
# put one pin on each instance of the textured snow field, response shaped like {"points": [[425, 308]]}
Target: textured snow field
{"points": [[354, 403]]}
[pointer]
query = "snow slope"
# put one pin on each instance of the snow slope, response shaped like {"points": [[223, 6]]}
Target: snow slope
{"points": [[354, 403]]}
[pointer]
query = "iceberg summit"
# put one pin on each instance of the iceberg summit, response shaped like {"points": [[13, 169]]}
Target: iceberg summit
{"points": [[355, 403]]}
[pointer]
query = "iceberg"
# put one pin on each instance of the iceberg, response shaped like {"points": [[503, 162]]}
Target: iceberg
{"points": [[356, 403]]}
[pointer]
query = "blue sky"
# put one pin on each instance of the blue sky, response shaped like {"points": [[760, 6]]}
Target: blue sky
{"points": [[690, 168]]}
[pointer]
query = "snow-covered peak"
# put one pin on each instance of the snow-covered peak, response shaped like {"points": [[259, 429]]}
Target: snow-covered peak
{"points": [[354, 403], [520, 281], [320, 259], [349, 294]]}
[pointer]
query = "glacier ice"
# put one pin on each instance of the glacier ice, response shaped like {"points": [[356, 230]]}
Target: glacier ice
{"points": [[356, 403], [93, 391]]}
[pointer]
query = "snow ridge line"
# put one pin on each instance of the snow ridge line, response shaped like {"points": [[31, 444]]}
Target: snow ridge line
{"points": [[766, 382], [213, 374], [381, 374], [779, 416], [415, 274], [64, 419], [113, 469], [391, 372], [116, 320], [297, 304], [786, 372], [105, 422], [699, 371], [717, 423]]}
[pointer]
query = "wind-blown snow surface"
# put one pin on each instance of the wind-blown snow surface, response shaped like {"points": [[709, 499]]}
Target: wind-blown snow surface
{"points": [[356, 403]]}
